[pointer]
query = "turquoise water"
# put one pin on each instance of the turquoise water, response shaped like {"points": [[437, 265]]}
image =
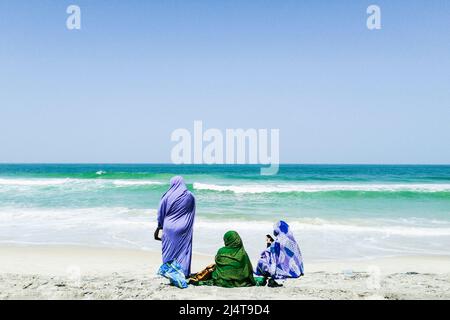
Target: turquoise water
{"points": [[353, 211]]}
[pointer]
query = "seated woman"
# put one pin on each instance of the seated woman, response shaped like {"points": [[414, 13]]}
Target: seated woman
{"points": [[233, 267], [283, 258]]}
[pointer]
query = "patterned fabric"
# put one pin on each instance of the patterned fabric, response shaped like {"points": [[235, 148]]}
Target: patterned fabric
{"points": [[233, 266], [283, 259], [174, 272]]}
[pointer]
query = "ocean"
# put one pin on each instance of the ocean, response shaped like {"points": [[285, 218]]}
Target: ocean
{"points": [[336, 211]]}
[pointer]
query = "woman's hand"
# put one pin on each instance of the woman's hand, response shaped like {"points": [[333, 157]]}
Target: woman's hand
{"points": [[156, 235]]}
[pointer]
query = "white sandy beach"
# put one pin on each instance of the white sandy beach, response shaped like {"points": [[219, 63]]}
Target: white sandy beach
{"points": [[69, 272]]}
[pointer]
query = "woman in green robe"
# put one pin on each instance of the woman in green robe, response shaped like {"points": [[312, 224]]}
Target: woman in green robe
{"points": [[233, 267]]}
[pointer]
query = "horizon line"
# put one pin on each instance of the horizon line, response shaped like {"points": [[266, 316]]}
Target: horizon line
{"points": [[223, 164]]}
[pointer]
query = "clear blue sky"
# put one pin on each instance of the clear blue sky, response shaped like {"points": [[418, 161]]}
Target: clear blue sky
{"points": [[115, 90]]}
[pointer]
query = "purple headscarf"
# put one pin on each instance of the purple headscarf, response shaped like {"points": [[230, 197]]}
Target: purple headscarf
{"points": [[176, 217], [283, 259]]}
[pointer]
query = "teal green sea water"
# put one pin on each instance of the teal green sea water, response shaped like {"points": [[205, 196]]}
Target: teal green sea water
{"points": [[353, 211]]}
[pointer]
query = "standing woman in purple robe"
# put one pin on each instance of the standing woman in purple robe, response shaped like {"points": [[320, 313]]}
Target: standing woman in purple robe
{"points": [[176, 220]]}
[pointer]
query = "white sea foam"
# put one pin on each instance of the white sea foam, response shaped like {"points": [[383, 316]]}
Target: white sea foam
{"points": [[72, 182], [132, 217], [328, 226], [125, 227], [136, 182], [85, 214], [34, 182], [245, 188], [309, 188]]}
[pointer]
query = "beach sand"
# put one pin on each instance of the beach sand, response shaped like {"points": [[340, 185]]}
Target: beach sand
{"points": [[70, 272]]}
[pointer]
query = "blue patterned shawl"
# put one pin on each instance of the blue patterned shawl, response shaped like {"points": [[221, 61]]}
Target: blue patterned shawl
{"points": [[283, 259]]}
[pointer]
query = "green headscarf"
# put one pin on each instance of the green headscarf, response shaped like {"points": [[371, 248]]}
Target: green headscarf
{"points": [[233, 266]]}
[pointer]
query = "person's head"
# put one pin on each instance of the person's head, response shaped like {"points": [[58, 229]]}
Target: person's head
{"points": [[232, 239], [177, 181], [280, 227]]}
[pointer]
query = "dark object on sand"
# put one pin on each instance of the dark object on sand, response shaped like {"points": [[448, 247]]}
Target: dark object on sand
{"points": [[273, 284]]}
